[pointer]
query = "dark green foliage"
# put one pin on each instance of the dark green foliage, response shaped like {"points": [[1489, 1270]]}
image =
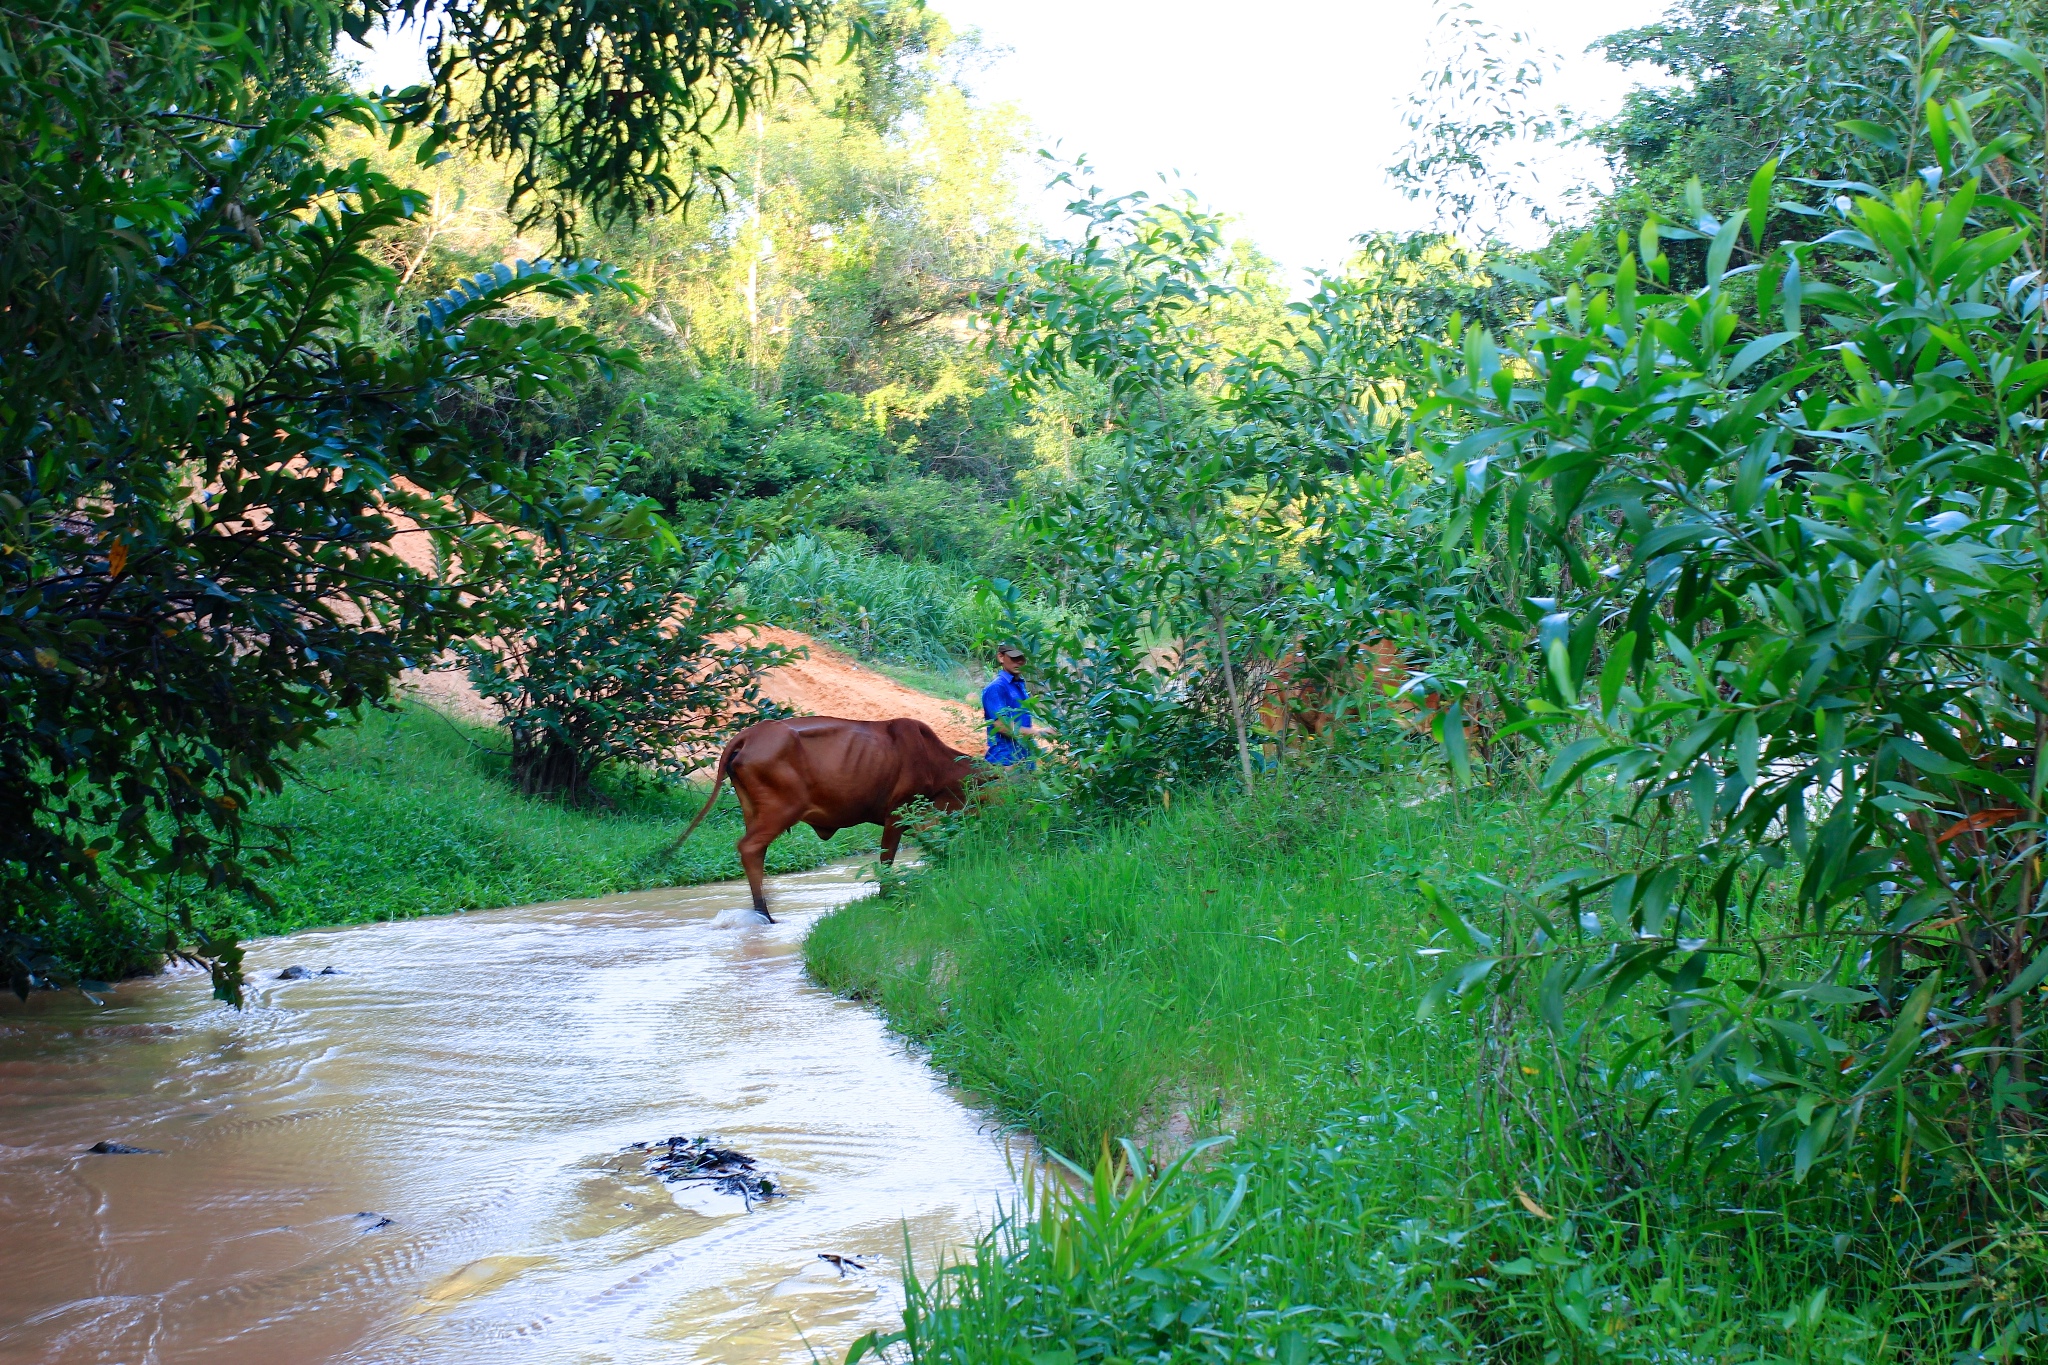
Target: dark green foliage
{"points": [[939, 520], [710, 437], [1168, 547], [1713, 118], [163, 650], [1748, 531], [1819, 656], [1832, 89], [215, 440], [1731, 532]]}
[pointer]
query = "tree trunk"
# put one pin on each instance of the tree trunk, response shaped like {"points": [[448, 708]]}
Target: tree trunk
{"points": [[1244, 749], [543, 765]]}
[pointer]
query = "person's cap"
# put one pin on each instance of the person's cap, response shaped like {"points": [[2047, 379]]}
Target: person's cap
{"points": [[1009, 652]]}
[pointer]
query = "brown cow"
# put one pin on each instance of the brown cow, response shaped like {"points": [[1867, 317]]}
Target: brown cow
{"points": [[831, 774]]}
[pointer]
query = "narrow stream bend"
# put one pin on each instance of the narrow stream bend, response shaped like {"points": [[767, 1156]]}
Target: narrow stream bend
{"points": [[473, 1080]]}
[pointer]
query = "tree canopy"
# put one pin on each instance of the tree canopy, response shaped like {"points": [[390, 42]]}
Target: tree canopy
{"points": [[218, 426]]}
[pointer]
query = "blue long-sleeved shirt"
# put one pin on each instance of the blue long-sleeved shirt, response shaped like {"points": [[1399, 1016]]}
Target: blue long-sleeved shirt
{"points": [[1004, 699]]}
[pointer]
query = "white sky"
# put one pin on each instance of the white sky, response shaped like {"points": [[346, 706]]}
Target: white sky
{"points": [[1283, 113]]}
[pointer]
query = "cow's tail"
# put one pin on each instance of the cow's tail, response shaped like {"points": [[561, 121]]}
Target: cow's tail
{"points": [[717, 777]]}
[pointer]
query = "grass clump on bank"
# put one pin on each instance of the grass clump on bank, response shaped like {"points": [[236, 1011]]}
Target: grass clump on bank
{"points": [[1414, 1188], [410, 813]]}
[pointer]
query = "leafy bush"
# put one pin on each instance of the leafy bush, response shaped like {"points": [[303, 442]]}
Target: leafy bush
{"points": [[940, 520], [198, 573], [609, 655], [708, 437], [213, 430], [1125, 1267], [1180, 535], [1816, 651]]}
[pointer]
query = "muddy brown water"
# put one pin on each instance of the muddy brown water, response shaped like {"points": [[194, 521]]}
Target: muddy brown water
{"points": [[473, 1080]]}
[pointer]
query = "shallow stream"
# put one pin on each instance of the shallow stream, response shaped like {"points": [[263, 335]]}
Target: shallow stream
{"points": [[422, 1157]]}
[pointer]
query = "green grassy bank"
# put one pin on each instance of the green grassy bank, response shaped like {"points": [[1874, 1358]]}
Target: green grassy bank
{"points": [[1413, 1189], [408, 813]]}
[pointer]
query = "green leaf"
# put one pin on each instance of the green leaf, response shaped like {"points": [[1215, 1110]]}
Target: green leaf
{"points": [[1449, 918], [1665, 538], [1813, 1141], [1916, 908], [1875, 133], [1470, 974], [1718, 253], [1431, 998], [1760, 202], [1825, 993], [1633, 969], [1551, 995], [1451, 727], [1575, 759], [2036, 972], [1905, 1037], [2014, 53], [1614, 673], [1755, 351], [1522, 275]]}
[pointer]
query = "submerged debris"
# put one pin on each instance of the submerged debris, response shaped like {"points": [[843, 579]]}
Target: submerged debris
{"points": [[842, 1264], [696, 1161], [121, 1149]]}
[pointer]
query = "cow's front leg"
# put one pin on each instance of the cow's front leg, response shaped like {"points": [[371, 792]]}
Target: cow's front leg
{"points": [[892, 838]]}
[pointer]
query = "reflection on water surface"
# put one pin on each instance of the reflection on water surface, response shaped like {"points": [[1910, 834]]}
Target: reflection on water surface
{"points": [[420, 1159]]}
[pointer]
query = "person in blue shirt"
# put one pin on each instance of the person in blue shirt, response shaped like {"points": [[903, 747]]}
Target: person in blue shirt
{"points": [[1004, 705]]}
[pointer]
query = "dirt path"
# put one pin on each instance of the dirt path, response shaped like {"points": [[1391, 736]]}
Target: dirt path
{"points": [[827, 683]]}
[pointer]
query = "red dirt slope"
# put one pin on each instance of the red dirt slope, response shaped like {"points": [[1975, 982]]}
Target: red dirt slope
{"points": [[828, 683]]}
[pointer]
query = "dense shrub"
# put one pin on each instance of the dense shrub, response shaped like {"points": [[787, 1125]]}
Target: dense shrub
{"points": [[621, 653], [940, 520]]}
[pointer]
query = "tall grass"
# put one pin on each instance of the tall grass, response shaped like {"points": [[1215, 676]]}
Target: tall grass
{"points": [[1415, 1188], [874, 605]]}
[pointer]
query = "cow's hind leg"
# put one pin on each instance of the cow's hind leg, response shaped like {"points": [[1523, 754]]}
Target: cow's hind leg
{"points": [[892, 838], [763, 829], [753, 850]]}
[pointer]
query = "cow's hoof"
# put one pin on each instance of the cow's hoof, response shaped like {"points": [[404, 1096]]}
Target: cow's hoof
{"points": [[739, 919]]}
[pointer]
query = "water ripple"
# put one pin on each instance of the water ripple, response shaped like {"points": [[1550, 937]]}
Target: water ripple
{"points": [[420, 1159]]}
